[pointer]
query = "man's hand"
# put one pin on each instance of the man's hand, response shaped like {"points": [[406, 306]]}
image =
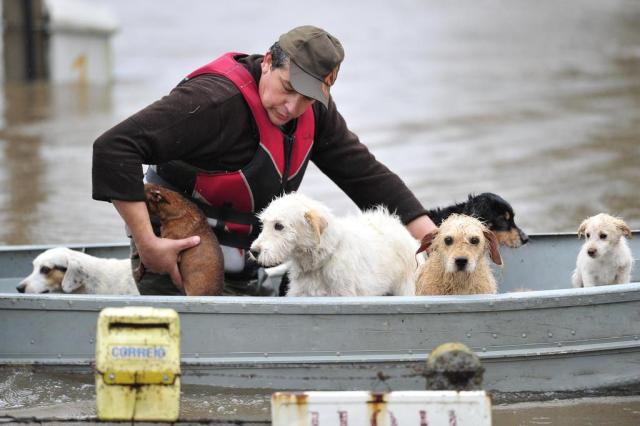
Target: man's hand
{"points": [[421, 226], [161, 255]]}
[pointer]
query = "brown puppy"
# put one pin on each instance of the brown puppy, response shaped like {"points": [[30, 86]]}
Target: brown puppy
{"points": [[456, 262], [202, 266]]}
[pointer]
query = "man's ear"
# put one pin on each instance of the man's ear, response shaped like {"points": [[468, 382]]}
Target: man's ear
{"points": [[317, 222], [266, 62]]}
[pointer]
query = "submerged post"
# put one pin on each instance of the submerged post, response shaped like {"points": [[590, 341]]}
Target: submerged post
{"points": [[453, 366]]}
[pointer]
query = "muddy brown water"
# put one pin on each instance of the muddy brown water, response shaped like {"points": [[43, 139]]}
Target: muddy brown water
{"points": [[54, 397], [536, 101]]}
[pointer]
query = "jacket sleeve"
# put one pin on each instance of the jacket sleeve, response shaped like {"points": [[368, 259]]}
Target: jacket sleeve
{"points": [[184, 125], [340, 155]]}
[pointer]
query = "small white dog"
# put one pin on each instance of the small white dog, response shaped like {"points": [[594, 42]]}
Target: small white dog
{"points": [[369, 254], [605, 257], [61, 270]]}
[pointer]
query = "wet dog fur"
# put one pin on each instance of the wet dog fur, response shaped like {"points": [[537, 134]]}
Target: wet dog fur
{"points": [[456, 262], [367, 254], [492, 210], [62, 270], [605, 257], [201, 266]]}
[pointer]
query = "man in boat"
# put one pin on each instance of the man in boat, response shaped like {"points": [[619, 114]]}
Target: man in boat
{"points": [[231, 136]]}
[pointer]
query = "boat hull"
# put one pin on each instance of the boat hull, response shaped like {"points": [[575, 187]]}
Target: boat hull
{"points": [[550, 340]]}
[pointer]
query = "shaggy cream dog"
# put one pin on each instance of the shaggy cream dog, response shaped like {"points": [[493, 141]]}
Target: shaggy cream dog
{"points": [[61, 270], [605, 257], [369, 254], [456, 262]]}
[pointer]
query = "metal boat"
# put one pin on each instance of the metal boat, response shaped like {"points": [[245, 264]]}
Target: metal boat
{"points": [[537, 335]]}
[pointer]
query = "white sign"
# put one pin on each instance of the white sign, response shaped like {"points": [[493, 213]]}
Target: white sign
{"points": [[419, 408]]}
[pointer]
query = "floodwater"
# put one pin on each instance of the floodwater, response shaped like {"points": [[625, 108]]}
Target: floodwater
{"points": [[25, 395], [536, 101]]}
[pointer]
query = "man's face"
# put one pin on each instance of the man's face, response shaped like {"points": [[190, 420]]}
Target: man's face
{"points": [[278, 97]]}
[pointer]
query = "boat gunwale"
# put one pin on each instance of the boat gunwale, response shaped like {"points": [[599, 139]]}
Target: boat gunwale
{"points": [[517, 301]]}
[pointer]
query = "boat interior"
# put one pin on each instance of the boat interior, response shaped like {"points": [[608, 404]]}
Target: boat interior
{"points": [[545, 263]]}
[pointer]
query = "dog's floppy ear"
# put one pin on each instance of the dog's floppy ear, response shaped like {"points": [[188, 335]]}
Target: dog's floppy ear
{"points": [[494, 253], [623, 227], [317, 222], [425, 243], [582, 228], [75, 277]]}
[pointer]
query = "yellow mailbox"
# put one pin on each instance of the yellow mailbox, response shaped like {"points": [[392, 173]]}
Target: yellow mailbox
{"points": [[138, 364]]}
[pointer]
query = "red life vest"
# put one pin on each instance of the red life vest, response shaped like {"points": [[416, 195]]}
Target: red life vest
{"points": [[233, 198]]}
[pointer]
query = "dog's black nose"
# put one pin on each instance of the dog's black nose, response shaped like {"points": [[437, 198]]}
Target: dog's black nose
{"points": [[461, 263], [592, 252], [21, 288], [524, 237], [255, 252]]}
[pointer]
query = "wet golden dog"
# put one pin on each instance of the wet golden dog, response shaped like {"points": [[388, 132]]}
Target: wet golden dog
{"points": [[456, 262], [202, 266]]}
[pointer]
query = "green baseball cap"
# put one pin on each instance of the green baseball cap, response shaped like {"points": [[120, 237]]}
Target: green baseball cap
{"points": [[315, 57]]}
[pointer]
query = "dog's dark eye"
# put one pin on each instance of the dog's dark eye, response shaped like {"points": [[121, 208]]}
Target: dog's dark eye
{"points": [[278, 226], [588, 235], [474, 240], [603, 236], [45, 269], [448, 240]]}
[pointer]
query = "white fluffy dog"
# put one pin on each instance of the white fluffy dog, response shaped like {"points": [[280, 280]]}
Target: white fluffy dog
{"points": [[369, 254], [605, 257], [61, 270]]}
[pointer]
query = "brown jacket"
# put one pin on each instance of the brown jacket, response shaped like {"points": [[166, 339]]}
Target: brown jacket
{"points": [[206, 123]]}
